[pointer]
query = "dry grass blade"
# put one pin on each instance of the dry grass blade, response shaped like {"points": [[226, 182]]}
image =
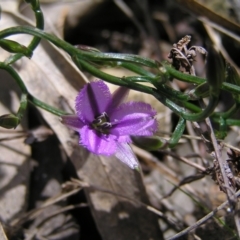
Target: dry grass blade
{"points": [[202, 220], [217, 42], [2, 233], [228, 188], [133, 200], [130, 14], [186, 180], [185, 160], [199, 9], [36, 211]]}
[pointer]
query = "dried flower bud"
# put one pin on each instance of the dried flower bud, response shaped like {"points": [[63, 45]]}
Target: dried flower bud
{"points": [[15, 47], [183, 58], [9, 121]]}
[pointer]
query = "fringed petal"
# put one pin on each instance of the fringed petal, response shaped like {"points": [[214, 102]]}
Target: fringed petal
{"points": [[125, 154], [119, 96], [92, 101], [133, 118], [97, 143], [72, 121]]}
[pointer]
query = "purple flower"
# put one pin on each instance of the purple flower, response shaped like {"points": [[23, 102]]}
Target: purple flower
{"points": [[105, 123]]}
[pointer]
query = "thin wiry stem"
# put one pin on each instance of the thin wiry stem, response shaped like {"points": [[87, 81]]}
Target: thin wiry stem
{"points": [[222, 164], [202, 220]]}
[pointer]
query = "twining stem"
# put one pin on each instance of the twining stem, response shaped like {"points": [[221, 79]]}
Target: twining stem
{"points": [[111, 79], [36, 40], [15, 76], [79, 56], [82, 58], [171, 72], [232, 122], [137, 69], [23, 106], [45, 106], [72, 51], [26, 96], [178, 132], [168, 71], [213, 101], [225, 115]]}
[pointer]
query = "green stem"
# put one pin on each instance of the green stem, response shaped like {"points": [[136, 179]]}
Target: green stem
{"points": [[191, 107], [136, 69], [28, 97], [213, 101], [231, 88], [212, 104], [228, 122], [72, 51], [36, 40], [172, 94], [15, 76], [23, 102], [166, 71], [234, 109], [170, 71], [23, 106], [80, 58], [137, 79], [40, 34], [101, 57], [111, 79], [178, 132], [39, 23], [45, 106]]}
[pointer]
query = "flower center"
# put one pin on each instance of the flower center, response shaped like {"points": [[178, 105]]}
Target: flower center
{"points": [[102, 123]]}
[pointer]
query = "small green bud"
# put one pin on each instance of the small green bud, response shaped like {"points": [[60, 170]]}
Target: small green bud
{"points": [[9, 121], [215, 71], [201, 91], [15, 47], [150, 143]]}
